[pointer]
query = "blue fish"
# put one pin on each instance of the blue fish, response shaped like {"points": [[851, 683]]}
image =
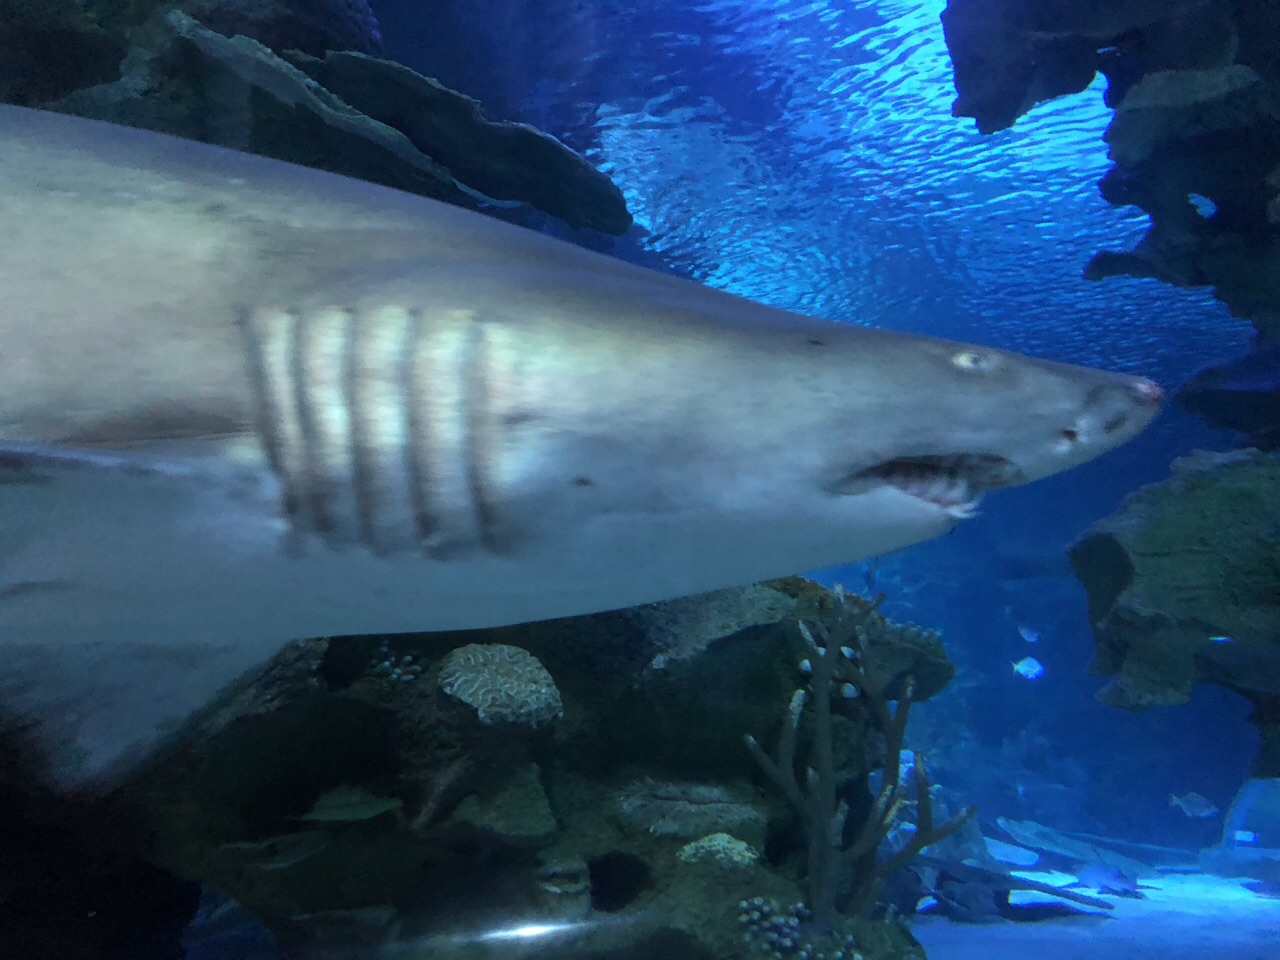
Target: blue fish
{"points": [[1029, 668], [1029, 635], [1222, 639]]}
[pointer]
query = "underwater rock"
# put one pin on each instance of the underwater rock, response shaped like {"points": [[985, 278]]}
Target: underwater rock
{"points": [[1241, 395], [517, 812], [1196, 135], [312, 26], [504, 684], [324, 789], [1175, 105], [1010, 55], [1193, 148], [687, 626], [191, 81], [1253, 819], [50, 48], [186, 79], [740, 682], [1073, 847], [1184, 587], [505, 161], [672, 809], [1250, 844]]}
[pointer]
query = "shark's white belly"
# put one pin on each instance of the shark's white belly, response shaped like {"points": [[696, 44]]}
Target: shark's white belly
{"points": [[129, 600]]}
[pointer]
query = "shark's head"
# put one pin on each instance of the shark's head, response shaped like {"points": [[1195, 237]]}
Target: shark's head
{"points": [[954, 421], [859, 441]]}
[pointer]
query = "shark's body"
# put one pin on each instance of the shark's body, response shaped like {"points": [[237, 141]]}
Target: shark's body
{"points": [[243, 402]]}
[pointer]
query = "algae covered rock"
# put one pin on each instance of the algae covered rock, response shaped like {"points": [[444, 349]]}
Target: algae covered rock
{"points": [[1184, 587]]}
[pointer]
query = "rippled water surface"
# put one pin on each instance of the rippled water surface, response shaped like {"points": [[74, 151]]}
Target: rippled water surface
{"points": [[803, 154]]}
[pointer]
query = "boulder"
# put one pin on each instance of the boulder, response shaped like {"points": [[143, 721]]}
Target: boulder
{"points": [[184, 78], [1184, 587]]}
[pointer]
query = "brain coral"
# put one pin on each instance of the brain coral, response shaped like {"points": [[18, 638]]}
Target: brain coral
{"points": [[504, 684]]}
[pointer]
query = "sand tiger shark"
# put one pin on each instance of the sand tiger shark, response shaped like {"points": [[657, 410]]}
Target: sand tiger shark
{"points": [[243, 402]]}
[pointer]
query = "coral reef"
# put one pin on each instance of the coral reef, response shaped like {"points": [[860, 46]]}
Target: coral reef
{"points": [[845, 870], [342, 805], [1195, 85], [504, 684], [1184, 587], [721, 848]]}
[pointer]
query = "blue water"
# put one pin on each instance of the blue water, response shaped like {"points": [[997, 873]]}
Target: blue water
{"points": [[802, 153]]}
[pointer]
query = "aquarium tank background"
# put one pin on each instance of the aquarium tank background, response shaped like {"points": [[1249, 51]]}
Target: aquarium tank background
{"points": [[1055, 729]]}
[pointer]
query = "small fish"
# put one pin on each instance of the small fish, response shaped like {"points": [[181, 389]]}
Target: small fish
{"points": [[1109, 880], [871, 576], [1222, 639], [1194, 805], [1029, 668], [1244, 836], [1204, 206], [1029, 635]]}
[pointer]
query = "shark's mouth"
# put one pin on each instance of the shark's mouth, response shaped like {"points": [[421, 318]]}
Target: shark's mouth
{"points": [[955, 483]]}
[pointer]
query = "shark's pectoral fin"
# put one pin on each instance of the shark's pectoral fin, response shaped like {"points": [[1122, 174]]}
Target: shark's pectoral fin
{"points": [[101, 655], [96, 708]]}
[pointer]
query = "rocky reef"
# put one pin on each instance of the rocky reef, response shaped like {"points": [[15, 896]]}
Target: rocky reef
{"points": [[587, 776], [296, 81], [1184, 588], [1195, 140], [1184, 581], [48, 48], [1242, 395]]}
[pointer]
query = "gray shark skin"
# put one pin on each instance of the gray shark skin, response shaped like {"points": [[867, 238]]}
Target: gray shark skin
{"points": [[243, 403]]}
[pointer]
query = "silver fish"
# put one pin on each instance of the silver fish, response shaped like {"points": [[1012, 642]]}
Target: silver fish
{"points": [[243, 402]]}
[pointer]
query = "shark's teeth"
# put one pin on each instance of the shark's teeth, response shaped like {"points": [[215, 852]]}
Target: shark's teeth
{"points": [[945, 489], [965, 511], [954, 482]]}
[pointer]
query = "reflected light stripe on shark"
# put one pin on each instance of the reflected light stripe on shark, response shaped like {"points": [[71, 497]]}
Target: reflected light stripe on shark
{"points": [[243, 402]]}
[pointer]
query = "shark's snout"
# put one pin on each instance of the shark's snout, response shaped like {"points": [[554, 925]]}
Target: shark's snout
{"points": [[1062, 422], [1113, 412], [1147, 391]]}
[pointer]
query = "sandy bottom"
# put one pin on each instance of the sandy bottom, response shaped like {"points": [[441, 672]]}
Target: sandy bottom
{"points": [[1184, 918]]}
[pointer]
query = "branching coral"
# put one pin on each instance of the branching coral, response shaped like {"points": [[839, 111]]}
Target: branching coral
{"points": [[845, 872]]}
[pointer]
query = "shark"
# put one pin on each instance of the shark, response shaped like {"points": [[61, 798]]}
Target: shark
{"points": [[244, 403]]}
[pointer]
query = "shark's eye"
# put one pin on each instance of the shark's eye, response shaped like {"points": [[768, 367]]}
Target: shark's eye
{"points": [[973, 361]]}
